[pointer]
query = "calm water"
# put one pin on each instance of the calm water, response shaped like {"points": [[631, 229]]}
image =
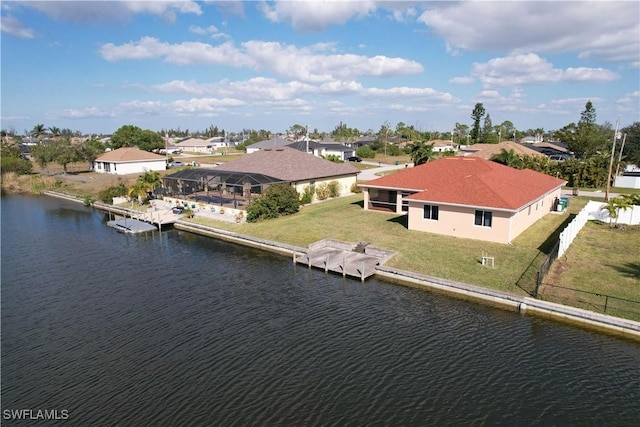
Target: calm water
{"points": [[176, 329]]}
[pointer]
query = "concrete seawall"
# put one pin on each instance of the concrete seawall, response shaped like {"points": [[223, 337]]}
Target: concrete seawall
{"points": [[524, 305]]}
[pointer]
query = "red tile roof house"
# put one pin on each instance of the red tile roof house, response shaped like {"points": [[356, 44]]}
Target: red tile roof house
{"points": [[128, 160], [466, 197]]}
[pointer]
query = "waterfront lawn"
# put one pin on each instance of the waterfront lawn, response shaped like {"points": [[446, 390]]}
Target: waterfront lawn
{"points": [[602, 260], [429, 254]]}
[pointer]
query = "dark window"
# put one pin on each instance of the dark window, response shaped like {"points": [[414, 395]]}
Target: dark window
{"points": [[431, 212], [483, 218]]}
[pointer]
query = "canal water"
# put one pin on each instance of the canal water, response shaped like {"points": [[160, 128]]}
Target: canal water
{"points": [[177, 329]]}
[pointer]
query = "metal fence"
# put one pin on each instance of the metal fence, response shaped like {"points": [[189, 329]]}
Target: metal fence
{"points": [[607, 304], [546, 266]]}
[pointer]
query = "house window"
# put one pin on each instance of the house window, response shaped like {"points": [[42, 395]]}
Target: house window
{"points": [[529, 209], [405, 203], [107, 167], [483, 218], [431, 212]]}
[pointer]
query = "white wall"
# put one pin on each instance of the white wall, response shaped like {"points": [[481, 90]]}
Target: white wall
{"points": [[627, 181], [629, 216], [131, 167]]}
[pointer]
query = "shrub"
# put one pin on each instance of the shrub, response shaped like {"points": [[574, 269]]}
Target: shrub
{"points": [[307, 195], [322, 191], [333, 158], [393, 150], [365, 152], [15, 164], [334, 189], [107, 195], [355, 188], [279, 199]]}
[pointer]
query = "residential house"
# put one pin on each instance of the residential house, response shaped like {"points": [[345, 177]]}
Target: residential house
{"points": [[196, 145], [553, 150], [238, 180], [219, 142], [466, 197], [127, 160], [324, 149], [296, 167], [441, 145], [487, 151], [275, 142]]}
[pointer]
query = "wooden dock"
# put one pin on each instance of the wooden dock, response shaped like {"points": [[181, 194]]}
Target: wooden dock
{"points": [[353, 260]]}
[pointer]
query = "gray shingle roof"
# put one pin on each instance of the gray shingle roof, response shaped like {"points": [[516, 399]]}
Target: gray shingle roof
{"points": [[288, 164]]}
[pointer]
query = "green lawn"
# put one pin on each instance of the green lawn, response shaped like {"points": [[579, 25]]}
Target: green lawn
{"points": [[430, 254], [601, 260]]}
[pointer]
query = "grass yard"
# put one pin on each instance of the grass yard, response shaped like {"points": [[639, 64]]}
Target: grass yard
{"points": [[601, 260], [430, 254]]}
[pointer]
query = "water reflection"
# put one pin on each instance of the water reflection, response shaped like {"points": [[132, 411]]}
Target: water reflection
{"points": [[178, 329]]}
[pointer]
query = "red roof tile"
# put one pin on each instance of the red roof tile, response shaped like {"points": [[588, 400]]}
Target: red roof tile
{"points": [[470, 182]]}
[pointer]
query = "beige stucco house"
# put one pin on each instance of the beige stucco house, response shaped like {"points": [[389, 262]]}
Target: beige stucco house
{"points": [[197, 145], [127, 160], [466, 197], [296, 167]]}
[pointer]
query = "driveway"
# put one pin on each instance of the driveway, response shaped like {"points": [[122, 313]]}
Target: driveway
{"points": [[369, 174]]}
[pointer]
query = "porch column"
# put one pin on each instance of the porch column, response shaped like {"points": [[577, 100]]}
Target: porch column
{"points": [[366, 198], [399, 202]]}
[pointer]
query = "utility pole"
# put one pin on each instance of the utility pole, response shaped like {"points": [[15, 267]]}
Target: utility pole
{"points": [[613, 149], [624, 138]]}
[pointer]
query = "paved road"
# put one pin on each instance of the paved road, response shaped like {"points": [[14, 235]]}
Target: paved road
{"points": [[369, 174]]}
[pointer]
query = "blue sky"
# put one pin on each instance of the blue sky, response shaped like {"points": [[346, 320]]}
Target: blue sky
{"points": [[95, 66]]}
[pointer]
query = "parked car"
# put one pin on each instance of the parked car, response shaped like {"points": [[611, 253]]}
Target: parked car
{"points": [[354, 159], [176, 164], [178, 210]]}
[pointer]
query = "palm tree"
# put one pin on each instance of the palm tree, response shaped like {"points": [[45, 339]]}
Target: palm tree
{"points": [[151, 180], [421, 152], [507, 158], [55, 131], [613, 207], [139, 190], [38, 130]]}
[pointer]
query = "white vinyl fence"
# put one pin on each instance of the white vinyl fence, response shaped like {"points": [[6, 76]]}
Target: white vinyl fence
{"points": [[593, 211]]}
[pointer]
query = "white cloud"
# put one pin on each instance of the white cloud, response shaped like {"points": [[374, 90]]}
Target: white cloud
{"points": [[601, 30], [183, 53], [462, 80], [629, 101], [313, 15], [86, 113], [14, 27], [307, 66], [411, 93], [529, 69], [589, 74], [211, 31], [203, 105], [287, 61], [104, 12]]}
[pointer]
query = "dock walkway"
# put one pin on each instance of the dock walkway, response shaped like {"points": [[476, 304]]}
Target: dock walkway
{"points": [[354, 260]]}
